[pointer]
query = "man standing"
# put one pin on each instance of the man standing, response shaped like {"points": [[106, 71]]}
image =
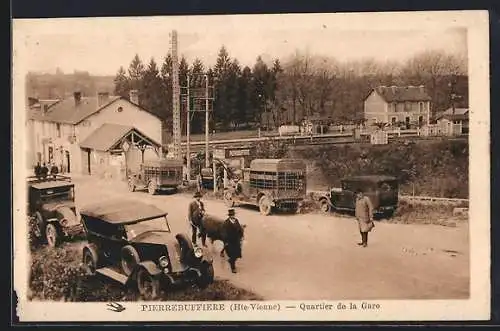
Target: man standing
{"points": [[234, 233], [364, 215], [195, 214]]}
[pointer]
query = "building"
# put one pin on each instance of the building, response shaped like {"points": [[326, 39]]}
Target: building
{"points": [[101, 134], [409, 105], [454, 121]]}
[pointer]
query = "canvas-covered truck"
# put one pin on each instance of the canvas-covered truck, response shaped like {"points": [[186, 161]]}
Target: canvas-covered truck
{"points": [[382, 190], [268, 184], [157, 175]]}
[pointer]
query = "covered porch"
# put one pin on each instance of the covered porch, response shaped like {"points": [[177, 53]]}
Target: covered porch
{"points": [[113, 151]]}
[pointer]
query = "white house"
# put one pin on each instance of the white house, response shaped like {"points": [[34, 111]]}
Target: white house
{"points": [[398, 104], [85, 135]]}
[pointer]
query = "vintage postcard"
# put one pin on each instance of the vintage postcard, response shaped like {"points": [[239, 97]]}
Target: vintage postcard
{"points": [[305, 167]]}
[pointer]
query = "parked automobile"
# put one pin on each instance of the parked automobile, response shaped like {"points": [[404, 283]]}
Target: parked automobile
{"points": [[382, 190], [157, 175], [131, 242], [269, 183], [52, 210]]}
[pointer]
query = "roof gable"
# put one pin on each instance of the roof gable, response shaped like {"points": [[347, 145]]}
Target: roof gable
{"points": [[402, 93]]}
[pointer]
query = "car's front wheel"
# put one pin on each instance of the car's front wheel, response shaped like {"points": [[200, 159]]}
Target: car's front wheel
{"points": [[324, 206], [207, 276], [52, 235], [148, 285]]}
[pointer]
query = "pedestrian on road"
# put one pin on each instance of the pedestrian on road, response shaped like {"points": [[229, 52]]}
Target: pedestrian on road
{"points": [[364, 215], [195, 214], [234, 232]]}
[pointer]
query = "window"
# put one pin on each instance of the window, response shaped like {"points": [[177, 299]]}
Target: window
{"points": [[407, 106], [394, 107], [393, 120], [58, 128], [421, 107]]}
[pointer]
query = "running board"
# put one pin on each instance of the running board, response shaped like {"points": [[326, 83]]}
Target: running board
{"points": [[108, 272]]}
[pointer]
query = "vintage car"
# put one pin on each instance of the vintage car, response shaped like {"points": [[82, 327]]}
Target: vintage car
{"points": [[132, 243], [51, 209], [157, 175], [382, 191], [269, 183]]}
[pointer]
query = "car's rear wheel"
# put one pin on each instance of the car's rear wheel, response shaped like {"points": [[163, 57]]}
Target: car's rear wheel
{"points": [[324, 206], [90, 261], [52, 235], [148, 285], [265, 205], [130, 259], [152, 187]]}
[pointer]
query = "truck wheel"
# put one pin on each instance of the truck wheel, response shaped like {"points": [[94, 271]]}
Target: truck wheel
{"points": [[90, 261], [147, 284], [131, 186], [130, 259], [52, 235], [152, 188], [228, 199], [324, 206], [264, 205]]}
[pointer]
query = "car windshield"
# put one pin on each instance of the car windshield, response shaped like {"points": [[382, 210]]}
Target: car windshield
{"points": [[388, 185], [159, 224]]}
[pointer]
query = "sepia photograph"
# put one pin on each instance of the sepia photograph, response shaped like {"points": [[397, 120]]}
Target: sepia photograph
{"points": [[252, 167]]}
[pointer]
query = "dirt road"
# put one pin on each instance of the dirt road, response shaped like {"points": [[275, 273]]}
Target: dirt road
{"points": [[313, 256]]}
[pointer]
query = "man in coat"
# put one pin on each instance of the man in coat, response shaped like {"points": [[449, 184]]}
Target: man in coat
{"points": [[364, 215], [234, 236], [195, 214]]}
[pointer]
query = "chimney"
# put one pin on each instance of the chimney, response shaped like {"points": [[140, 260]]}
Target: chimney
{"points": [[422, 88], [134, 96], [393, 88], [102, 98], [78, 98]]}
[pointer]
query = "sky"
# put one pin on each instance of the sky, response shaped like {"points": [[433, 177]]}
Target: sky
{"points": [[102, 45]]}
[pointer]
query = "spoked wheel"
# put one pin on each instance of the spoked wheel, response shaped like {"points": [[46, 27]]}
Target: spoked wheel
{"points": [[324, 206], [152, 188], [264, 205], [131, 186], [52, 235], [228, 199], [147, 284]]}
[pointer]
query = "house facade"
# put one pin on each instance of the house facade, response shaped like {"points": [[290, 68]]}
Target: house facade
{"points": [[455, 121], [55, 133], [410, 105]]}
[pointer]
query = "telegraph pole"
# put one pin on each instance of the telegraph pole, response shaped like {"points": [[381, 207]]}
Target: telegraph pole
{"points": [[176, 129], [207, 161], [188, 132]]}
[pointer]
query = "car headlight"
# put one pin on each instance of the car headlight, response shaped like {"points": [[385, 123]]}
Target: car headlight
{"points": [[163, 261], [198, 252]]}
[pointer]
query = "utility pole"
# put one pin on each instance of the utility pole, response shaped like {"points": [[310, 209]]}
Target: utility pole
{"points": [[176, 129], [207, 161], [188, 132]]}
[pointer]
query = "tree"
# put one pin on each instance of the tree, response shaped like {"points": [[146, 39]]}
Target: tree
{"points": [[136, 72], [197, 82], [152, 92], [246, 109], [183, 72], [261, 77], [166, 77], [221, 103], [122, 84]]}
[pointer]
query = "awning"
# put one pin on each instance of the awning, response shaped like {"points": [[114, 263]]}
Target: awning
{"points": [[112, 136]]}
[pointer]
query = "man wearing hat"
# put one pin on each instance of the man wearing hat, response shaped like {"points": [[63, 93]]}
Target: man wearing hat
{"points": [[364, 216], [195, 214], [234, 234]]}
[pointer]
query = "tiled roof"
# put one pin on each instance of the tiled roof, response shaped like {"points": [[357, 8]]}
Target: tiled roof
{"points": [[458, 111], [456, 117], [403, 93], [107, 135], [66, 111]]}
